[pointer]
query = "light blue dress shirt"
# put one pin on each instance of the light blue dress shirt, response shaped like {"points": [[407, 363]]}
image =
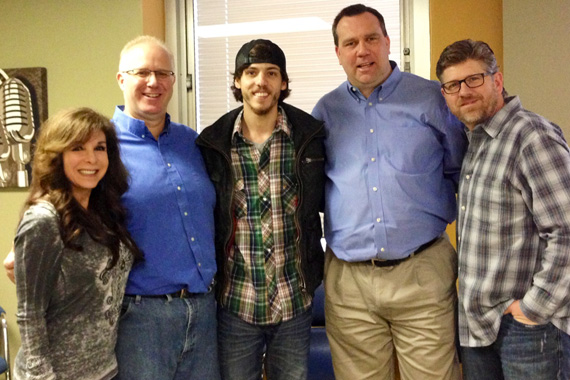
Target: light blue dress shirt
{"points": [[393, 163], [170, 204]]}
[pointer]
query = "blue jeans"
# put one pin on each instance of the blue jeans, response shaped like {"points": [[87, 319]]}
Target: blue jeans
{"points": [[565, 360], [241, 346], [520, 352], [168, 338]]}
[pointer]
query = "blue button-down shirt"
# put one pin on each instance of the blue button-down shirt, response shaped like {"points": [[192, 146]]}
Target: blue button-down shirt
{"points": [[170, 204], [393, 162]]}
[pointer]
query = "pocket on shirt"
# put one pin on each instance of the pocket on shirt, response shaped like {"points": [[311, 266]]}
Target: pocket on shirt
{"points": [[495, 198], [289, 194], [240, 200]]}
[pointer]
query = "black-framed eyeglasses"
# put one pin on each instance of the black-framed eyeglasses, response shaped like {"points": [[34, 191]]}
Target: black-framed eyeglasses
{"points": [[472, 81], [145, 73]]}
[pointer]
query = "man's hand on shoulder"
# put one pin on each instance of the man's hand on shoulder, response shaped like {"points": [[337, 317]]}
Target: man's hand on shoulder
{"points": [[9, 265]]}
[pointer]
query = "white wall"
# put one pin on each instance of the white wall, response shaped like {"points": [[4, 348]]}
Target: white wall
{"points": [[537, 56]]}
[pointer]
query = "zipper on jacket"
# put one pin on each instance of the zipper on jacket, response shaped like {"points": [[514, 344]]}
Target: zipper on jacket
{"points": [[308, 160], [207, 144], [302, 281]]}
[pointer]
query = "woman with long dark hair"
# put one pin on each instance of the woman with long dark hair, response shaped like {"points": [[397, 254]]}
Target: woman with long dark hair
{"points": [[72, 251]]}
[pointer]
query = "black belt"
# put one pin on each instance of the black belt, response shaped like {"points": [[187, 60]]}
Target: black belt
{"points": [[390, 263], [179, 294]]}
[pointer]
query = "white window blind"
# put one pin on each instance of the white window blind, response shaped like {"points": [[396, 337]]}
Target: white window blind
{"points": [[302, 28]]}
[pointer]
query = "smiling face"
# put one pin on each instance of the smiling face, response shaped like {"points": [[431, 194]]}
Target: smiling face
{"points": [[146, 98], [473, 106], [260, 85], [363, 51], [85, 164]]}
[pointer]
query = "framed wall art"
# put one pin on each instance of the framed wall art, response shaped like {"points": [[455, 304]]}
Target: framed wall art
{"points": [[23, 107]]}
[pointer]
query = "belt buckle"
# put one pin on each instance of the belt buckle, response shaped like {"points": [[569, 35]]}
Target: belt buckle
{"points": [[183, 293]]}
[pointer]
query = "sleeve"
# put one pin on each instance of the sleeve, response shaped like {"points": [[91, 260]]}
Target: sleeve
{"points": [[454, 142], [38, 247], [317, 112], [545, 172]]}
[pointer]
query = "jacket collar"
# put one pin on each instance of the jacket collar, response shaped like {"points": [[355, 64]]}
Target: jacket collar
{"points": [[220, 133]]}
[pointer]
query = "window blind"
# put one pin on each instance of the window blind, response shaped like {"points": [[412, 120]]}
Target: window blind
{"points": [[302, 28]]}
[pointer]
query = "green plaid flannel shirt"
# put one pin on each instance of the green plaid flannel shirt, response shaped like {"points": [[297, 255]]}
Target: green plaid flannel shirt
{"points": [[264, 269]]}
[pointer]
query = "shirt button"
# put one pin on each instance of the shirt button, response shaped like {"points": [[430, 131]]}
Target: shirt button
{"points": [[168, 164], [375, 188], [373, 159], [199, 264], [467, 176], [179, 188], [381, 249], [371, 130], [185, 213], [380, 99], [143, 136], [370, 103], [192, 239], [462, 208], [378, 220]]}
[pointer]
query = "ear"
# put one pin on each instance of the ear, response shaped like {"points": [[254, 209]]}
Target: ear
{"points": [[337, 54], [283, 85], [442, 92], [121, 80], [237, 84], [498, 80], [387, 38]]}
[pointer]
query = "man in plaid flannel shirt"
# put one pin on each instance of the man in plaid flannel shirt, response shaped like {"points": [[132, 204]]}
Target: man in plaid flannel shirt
{"points": [[266, 160], [513, 226]]}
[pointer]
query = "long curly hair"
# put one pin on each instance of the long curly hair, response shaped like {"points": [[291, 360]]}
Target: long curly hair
{"points": [[104, 219]]}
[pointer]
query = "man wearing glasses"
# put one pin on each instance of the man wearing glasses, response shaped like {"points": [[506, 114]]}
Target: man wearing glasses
{"points": [[167, 328], [513, 225]]}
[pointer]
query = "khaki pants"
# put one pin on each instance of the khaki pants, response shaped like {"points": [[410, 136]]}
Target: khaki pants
{"points": [[409, 308]]}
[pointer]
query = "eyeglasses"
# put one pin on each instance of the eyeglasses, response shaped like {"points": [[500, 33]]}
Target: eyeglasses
{"points": [[472, 81], [145, 73]]}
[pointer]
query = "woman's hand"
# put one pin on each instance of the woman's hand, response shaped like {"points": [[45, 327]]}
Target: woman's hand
{"points": [[9, 265]]}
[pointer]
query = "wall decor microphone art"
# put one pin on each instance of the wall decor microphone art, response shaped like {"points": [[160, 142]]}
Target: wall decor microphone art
{"points": [[23, 107]]}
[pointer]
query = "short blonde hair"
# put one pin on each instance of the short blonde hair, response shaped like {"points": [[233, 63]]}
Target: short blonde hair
{"points": [[146, 40]]}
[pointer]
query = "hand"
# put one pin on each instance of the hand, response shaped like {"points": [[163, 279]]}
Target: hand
{"points": [[9, 265], [518, 315]]}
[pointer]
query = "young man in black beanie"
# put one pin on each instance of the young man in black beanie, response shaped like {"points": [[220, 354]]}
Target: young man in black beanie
{"points": [[266, 160]]}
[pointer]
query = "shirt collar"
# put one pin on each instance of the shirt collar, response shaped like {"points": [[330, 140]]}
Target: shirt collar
{"points": [[494, 125], [136, 126], [382, 90], [281, 124]]}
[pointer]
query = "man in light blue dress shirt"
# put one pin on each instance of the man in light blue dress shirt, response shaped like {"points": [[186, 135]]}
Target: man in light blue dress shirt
{"points": [[394, 155]]}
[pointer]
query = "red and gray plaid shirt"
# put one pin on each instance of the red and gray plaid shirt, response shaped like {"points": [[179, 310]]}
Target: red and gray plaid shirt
{"points": [[263, 264], [513, 224]]}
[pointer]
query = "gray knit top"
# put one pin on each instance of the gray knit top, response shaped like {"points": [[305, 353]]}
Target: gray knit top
{"points": [[68, 302]]}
